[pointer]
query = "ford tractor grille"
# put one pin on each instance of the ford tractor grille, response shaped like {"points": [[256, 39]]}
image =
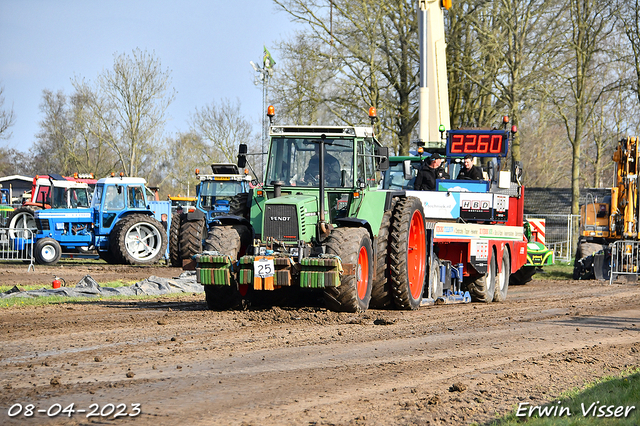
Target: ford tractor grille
{"points": [[42, 224], [281, 223]]}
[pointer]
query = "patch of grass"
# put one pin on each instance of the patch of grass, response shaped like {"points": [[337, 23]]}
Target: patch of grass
{"points": [[616, 391], [558, 271], [53, 300], [17, 302]]}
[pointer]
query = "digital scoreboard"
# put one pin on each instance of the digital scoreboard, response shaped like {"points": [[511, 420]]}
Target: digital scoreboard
{"points": [[479, 143]]}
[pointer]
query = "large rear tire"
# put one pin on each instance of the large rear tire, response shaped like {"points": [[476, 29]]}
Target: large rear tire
{"points": [[381, 296], [502, 278], [22, 218], [47, 251], [191, 236], [174, 240], [139, 240], [353, 245], [407, 253]]}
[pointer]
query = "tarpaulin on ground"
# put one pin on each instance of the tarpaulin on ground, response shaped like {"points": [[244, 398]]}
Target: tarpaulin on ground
{"points": [[88, 287]]}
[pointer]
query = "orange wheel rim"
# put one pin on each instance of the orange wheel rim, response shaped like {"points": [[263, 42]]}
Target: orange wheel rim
{"points": [[363, 273], [416, 253]]}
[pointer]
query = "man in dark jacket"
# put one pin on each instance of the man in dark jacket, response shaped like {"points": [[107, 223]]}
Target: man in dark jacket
{"points": [[468, 170], [427, 175]]}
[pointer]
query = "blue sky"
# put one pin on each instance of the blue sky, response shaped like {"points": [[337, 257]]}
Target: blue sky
{"points": [[207, 46]]}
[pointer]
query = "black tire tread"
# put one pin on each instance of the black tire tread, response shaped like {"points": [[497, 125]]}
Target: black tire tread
{"points": [[345, 242], [381, 295], [238, 204], [118, 234], [191, 235], [398, 252], [174, 240]]}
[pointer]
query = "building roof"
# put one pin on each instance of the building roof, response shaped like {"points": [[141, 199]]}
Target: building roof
{"points": [[17, 177], [558, 200]]}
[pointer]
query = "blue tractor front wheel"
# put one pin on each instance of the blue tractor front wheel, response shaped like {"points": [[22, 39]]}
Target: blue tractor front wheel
{"points": [[47, 251]]}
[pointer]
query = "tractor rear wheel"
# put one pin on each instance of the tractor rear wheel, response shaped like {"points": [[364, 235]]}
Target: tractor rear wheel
{"points": [[47, 251], [381, 296], [174, 240], [353, 245], [22, 218], [231, 240], [502, 278], [407, 253], [192, 234], [139, 240], [483, 289]]}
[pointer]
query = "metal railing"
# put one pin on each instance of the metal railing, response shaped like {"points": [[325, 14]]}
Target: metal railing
{"points": [[559, 233], [17, 245], [625, 258]]}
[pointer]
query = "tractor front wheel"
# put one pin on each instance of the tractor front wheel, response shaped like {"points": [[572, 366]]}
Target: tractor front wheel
{"points": [[231, 240], [139, 240], [47, 251], [352, 245]]}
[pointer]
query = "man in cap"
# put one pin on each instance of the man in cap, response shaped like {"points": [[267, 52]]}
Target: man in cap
{"points": [[427, 175], [469, 171]]}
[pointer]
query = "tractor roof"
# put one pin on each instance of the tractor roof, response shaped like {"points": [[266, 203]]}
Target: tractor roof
{"points": [[44, 181], [122, 180], [316, 131]]}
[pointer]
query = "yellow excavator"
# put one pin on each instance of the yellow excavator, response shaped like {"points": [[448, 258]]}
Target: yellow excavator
{"points": [[608, 244]]}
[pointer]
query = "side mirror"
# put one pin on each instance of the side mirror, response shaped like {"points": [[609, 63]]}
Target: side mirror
{"points": [[383, 160], [242, 156], [406, 170]]}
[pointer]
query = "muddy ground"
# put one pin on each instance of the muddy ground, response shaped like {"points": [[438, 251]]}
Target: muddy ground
{"points": [[184, 364]]}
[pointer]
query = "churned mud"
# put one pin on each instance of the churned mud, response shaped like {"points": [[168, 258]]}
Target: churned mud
{"points": [[171, 361]]}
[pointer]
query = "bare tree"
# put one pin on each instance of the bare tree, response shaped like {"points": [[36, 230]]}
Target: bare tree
{"points": [[184, 153], [128, 106], [7, 117], [224, 127], [577, 80], [363, 53]]}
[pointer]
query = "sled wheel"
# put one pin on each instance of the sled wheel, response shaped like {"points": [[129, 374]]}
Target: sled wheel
{"points": [[502, 278], [484, 287]]}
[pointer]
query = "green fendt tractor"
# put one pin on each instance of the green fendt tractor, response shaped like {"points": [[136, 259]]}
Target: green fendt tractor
{"points": [[320, 224]]}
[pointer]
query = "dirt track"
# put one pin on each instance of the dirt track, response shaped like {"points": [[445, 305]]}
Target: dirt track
{"points": [[186, 365]]}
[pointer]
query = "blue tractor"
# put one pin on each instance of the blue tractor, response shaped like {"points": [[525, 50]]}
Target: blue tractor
{"points": [[224, 192], [123, 225]]}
